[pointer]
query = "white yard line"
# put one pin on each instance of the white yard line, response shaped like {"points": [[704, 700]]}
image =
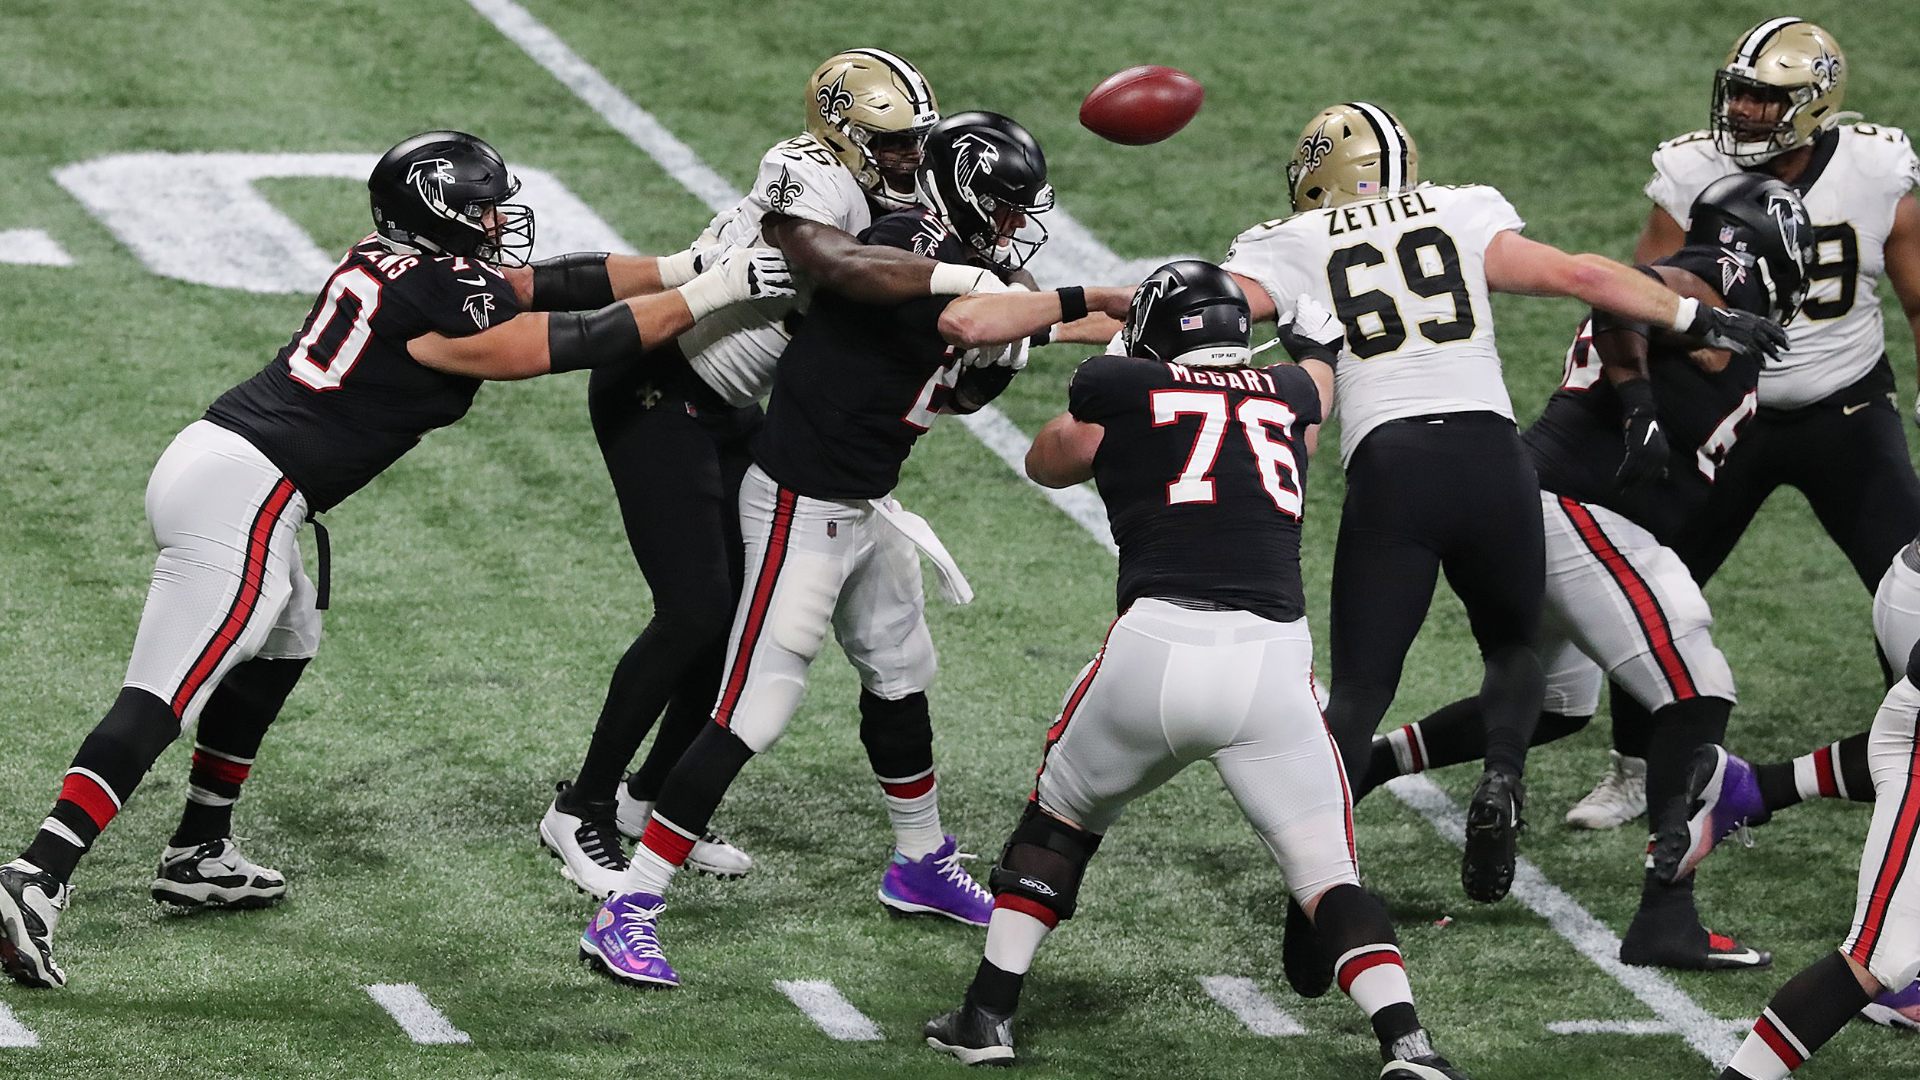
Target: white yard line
{"points": [[13, 1033], [829, 1011], [1088, 259], [416, 1015], [32, 247], [1243, 998], [1632, 1027]]}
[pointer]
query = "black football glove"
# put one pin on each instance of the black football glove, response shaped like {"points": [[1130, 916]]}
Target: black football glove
{"points": [[1738, 332], [1646, 443]]}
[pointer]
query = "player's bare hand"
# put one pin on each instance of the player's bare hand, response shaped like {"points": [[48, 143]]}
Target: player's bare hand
{"points": [[1711, 361], [1113, 300]]}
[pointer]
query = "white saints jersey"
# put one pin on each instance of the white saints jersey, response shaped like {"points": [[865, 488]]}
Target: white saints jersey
{"points": [[734, 349], [1406, 274], [1850, 189]]}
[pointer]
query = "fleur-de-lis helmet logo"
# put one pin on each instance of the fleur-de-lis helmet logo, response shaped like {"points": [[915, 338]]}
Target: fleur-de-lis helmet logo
{"points": [[430, 179], [783, 190], [1825, 69], [1314, 149], [834, 100]]}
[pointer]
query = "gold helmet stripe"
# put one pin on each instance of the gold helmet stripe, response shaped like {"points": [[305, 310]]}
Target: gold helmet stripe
{"points": [[918, 94], [1393, 145], [1757, 39]]}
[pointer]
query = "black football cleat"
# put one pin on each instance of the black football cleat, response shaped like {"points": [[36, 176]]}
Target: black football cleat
{"points": [[30, 904], [974, 1035], [1303, 958], [1493, 832], [1690, 948]]}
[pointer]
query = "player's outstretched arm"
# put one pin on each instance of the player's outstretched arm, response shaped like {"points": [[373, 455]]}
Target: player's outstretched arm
{"points": [[980, 319], [1062, 454], [1260, 307], [1515, 264], [1660, 237], [1903, 262], [538, 343], [868, 273]]}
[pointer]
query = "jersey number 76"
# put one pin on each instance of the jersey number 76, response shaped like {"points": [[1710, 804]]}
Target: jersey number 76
{"points": [[1279, 469]]}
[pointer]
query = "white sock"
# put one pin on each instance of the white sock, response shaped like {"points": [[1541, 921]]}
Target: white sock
{"points": [[657, 857], [1012, 939], [1374, 977], [913, 805]]}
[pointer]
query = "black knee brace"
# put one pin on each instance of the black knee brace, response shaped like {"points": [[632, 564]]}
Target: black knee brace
{"points": [[1043, 862], [898, 735]]}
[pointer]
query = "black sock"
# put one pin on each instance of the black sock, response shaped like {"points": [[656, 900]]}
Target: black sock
{"points": [[1510, 706], [898, 735], [1679, 730], [698, 782], [1395, 1022], [110, 763], [232, 726], [1777, 789], [1632, 723], [1448, 736], [1809, 1010], [994, 990]]}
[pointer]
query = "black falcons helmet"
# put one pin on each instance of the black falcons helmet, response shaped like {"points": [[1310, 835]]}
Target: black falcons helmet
{"points": [[1190, 311], [431, 191], [1757, 222], [974, 163]]}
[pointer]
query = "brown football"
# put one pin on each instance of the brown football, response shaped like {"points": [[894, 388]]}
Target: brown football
{"points": [[1141, 105]]}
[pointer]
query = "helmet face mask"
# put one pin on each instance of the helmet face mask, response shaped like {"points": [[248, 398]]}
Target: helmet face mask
{"points": [[987, 180], [1188, 312], [446, 193], [1780, 87], [1355, 150], [873, 110]]}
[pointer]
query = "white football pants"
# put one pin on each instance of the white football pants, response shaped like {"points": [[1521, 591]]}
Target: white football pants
{"points": [[1173, 686], [1886, 915], [1896, 609], [228, 585]]}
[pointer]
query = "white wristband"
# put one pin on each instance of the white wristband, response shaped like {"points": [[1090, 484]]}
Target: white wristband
{"points": [[1683, 318], [676, 269], [706, 294], [952, 279]]}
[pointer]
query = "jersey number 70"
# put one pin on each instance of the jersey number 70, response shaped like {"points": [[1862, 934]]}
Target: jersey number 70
{"points": [[1279, 469]]}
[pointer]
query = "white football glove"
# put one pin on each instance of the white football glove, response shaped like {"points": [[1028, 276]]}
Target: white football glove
{"points": [[739, 275], [683, 266], [1313, 322], [1013, 355]]}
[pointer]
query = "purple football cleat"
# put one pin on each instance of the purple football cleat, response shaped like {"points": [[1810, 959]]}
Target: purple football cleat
{"points": [[935, 884], [1722, 798], [1896, 1008], [623, 941]]}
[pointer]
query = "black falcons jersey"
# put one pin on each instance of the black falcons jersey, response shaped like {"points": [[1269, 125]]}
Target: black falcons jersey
{"points": [[1202, 471], [860, 382], [344, 399], [1578, 442]]}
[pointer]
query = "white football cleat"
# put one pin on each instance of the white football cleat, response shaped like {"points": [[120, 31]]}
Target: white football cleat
{"points": [[1618, 798], [711, 853], [215, 874], [588, 849], [30, 905]]}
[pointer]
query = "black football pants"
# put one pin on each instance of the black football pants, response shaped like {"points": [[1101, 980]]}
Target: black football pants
{"points": [[676, 457], [1853, 468], [1456, 493]]}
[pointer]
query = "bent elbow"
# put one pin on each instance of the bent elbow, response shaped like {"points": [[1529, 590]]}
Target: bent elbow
{"points": [[962, 329]]}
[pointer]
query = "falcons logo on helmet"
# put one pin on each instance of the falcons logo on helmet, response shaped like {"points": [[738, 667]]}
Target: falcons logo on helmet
{"points": [[1788, 216], [479, 308], [1144, 298], [430, 178]]}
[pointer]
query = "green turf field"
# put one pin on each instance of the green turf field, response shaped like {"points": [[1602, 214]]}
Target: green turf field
{"points": [[483, 589]]}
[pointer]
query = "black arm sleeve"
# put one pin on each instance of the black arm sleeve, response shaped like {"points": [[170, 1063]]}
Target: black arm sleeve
{"points": [[576, 281], [607, 336]]}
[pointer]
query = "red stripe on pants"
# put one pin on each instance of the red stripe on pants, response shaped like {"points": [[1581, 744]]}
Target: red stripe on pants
{"points": [[1893, 866], [770, 564], [1074, 699], [1823, 773], [1646, 607], [86, 793], [218, 768], [252, 575]]}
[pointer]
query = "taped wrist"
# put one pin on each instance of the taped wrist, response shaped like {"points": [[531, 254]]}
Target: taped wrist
{"points": [[1042, 865], [595, 339], [1636, 396], [1073, 303], [576, 281]]}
